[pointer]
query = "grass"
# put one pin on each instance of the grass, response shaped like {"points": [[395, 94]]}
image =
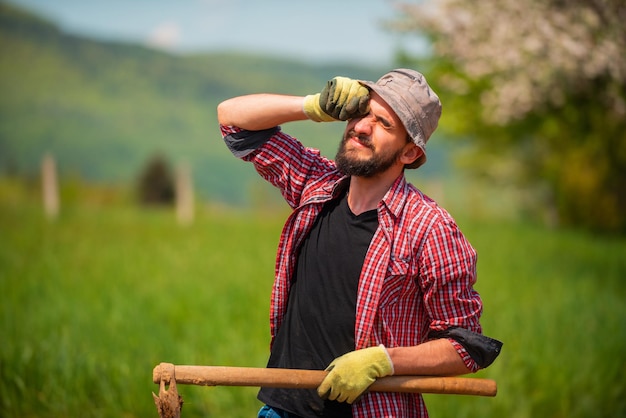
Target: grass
{"points": [[556, 299], [90, 303]]}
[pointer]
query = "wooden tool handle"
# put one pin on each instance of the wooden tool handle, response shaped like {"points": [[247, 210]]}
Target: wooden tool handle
{"points": [[311, 379]]}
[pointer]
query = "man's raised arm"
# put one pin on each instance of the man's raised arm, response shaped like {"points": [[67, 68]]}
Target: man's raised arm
{"points": [[256, 112], [341, 99]]}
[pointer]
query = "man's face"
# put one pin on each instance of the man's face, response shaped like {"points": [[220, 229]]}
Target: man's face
{"points": [[373, 143]]}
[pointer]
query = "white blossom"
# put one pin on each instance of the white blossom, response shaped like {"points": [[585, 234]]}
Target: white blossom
{"points": [[532, 51]]}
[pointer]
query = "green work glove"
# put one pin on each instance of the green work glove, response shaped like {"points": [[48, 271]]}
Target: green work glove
{"points": [[351, 374], [341, 99]]}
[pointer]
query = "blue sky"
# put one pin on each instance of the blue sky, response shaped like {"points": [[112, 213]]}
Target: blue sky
{"points": [[322, 30]]}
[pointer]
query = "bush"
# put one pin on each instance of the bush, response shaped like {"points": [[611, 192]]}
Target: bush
{"points": [[156, 183]]}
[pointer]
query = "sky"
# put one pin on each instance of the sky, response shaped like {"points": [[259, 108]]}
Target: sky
{"points": [[347, 31]]}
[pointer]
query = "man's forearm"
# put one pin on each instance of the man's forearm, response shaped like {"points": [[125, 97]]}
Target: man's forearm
{"points": [[260, 111], [435, 357]]}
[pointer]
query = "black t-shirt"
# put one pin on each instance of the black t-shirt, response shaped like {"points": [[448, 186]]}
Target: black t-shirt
{"points": [[320, 319]]}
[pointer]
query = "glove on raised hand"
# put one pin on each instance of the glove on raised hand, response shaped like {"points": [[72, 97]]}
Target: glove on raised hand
{"points": [[351, 374], [341, 99]]}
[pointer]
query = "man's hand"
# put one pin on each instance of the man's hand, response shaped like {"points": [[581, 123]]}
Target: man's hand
{"points": [[341, 99], [351, 374]]}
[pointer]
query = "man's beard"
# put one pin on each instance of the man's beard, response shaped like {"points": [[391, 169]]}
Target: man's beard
{"points": [[376, 164]]}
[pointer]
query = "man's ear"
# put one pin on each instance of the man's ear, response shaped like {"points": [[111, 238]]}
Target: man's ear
{"points": [[411, 153]]}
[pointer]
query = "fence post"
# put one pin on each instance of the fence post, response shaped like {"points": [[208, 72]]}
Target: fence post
{"points": [[50, 187], [184, 195]]}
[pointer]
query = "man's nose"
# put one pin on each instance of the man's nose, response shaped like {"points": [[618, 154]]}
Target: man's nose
{"points": [[363, 123]]}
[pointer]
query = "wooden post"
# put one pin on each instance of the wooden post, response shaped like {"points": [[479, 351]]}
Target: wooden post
{"points": [[50, 187], [184, 195]]}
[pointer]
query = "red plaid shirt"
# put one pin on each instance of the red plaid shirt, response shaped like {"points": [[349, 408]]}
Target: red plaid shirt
{"points": [[418, 272]]}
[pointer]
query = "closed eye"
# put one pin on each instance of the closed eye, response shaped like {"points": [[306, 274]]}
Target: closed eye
{"points": [[383, 121]]}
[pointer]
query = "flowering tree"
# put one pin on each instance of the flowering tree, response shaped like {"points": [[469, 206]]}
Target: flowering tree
{"points": [[540, 87]]}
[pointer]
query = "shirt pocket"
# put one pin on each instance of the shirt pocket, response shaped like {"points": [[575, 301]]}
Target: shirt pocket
{"points": [[397, 281]]}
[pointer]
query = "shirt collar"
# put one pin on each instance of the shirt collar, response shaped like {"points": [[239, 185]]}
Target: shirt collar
{"points": [[340, 186], [395, 198]]}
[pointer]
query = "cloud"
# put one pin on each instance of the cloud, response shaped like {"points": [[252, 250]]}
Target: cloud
{"points": [[167, 36]]}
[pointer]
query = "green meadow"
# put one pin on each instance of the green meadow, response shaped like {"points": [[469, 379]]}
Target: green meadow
{"points": [[91, 302]]}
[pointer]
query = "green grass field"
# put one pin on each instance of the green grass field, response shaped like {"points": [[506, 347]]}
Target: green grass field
{"points": [[89, 304]]}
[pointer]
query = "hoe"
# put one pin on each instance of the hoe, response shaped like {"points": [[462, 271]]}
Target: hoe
{"points": [[169, 403]]}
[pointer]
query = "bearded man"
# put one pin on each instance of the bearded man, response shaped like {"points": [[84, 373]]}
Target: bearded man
{"points": [[373, 278]]}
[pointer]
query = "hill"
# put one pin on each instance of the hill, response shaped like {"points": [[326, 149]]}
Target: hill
{"points": [[104, 108]]}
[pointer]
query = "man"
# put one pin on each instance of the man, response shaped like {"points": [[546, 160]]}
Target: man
{"points": [[373, 278]]}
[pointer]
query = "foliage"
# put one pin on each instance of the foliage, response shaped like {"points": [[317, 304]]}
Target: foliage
{"points": [[540, 89], [89, 304], [156, 183]]}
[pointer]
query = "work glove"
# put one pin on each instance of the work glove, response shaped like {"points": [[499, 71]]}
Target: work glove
{"points": [[341, 99], [351, 374]]}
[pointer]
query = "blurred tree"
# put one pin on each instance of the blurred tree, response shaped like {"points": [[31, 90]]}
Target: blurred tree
{"points": [[539, 87], [156, 183]]}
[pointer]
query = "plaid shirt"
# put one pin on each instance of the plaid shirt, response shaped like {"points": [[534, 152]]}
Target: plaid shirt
{"points": [[418, 272]]}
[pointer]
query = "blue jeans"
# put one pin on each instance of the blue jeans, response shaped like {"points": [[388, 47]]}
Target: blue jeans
{"points": [[269, 412]]}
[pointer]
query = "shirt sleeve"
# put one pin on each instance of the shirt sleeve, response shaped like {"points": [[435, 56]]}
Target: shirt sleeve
{"points": [[279, 158], [482, 349], [241, 142], [447, 277]]}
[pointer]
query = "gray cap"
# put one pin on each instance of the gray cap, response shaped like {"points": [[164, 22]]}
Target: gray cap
{"points": [[411, 98]]}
